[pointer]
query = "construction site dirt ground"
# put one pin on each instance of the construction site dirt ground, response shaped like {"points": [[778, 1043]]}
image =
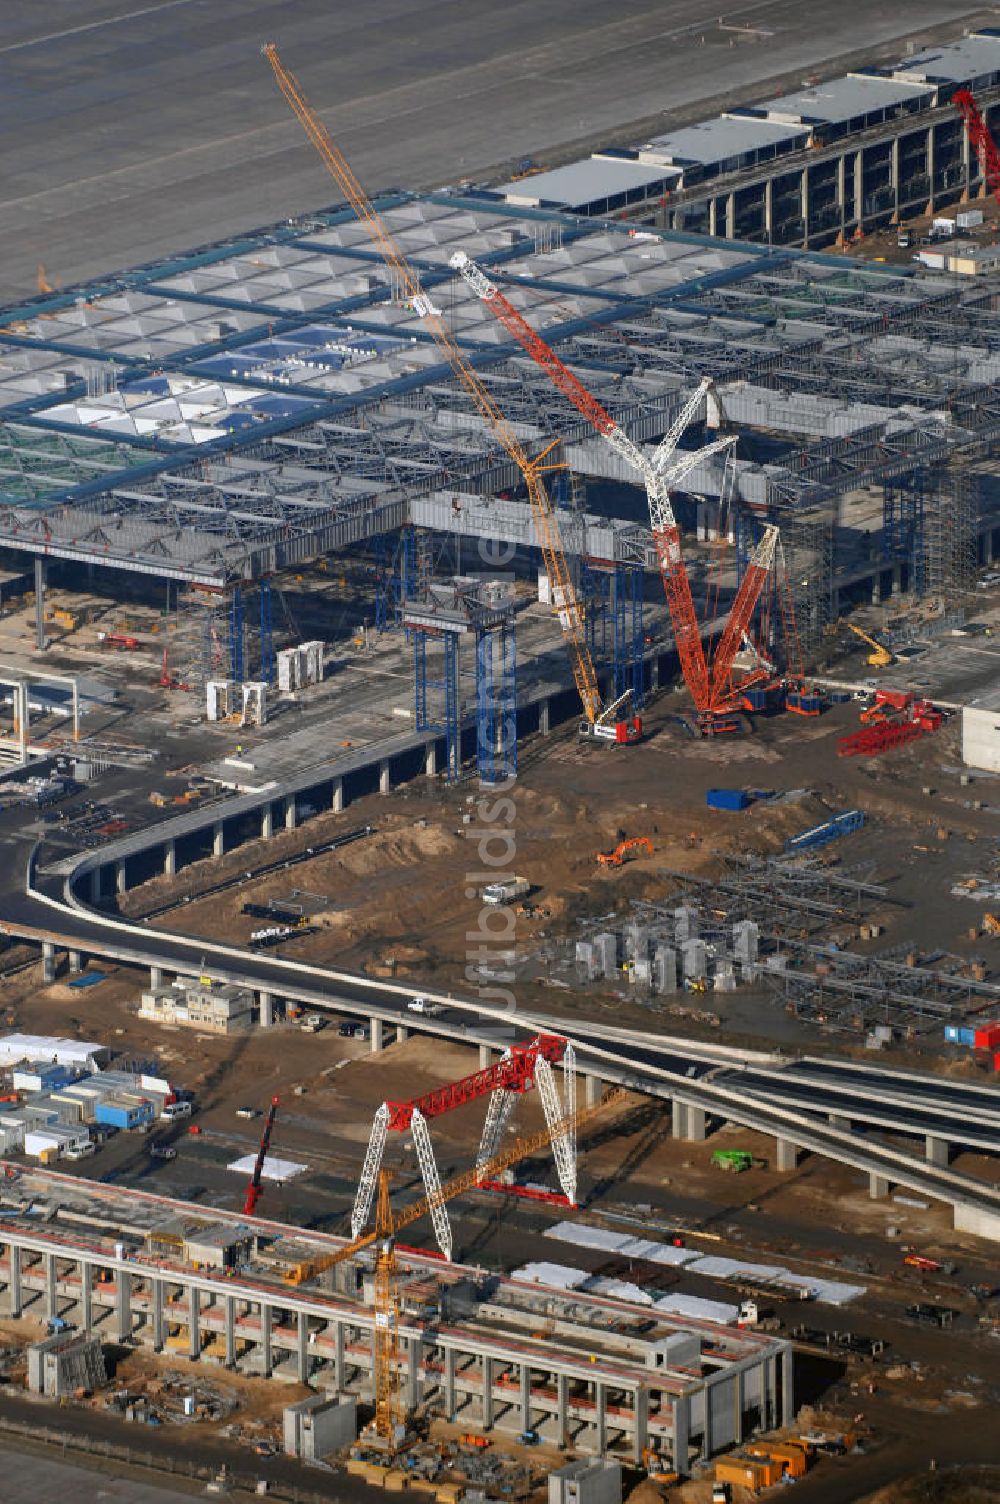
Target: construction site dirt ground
{"points": [[405, 901]]}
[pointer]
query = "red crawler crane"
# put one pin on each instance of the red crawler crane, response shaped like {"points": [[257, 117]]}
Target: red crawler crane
{"points": [[253, 1189], [980, 138]]}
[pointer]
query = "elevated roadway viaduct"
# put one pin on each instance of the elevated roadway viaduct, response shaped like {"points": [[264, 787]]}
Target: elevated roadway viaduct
{"points": [[807, 1106]]}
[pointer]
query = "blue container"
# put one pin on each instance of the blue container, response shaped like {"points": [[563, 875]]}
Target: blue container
{"points": [[731, 799]]}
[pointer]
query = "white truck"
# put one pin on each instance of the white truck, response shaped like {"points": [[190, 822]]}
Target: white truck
{"points": [[507, 890]]}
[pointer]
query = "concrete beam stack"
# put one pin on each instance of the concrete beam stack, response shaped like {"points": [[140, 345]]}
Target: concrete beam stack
{"points": [[665, 969], [606, 953]]}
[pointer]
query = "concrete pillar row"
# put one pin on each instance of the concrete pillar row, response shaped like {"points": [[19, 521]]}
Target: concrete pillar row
{"points": [[267, 822], [678, 1119], [695, 1124], [75, 961], [291, 814], [48, 961], [786, 1154], [266, 1010], [376, 1036]]}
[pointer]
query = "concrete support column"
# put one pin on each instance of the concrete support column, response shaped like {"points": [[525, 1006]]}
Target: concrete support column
{"points": [[731, 216], [544, 717], [121, 885], [15, 1298], [159, 1333], [931, 141], [40, 603], [641, 1438], [219, 838], [695, 1124], [51, 1298], [267, 822], [194, 1324], [713, 216], [449, 1385], [170, 858], [376, 1035], [338, 1357], [842, 192], [485, 1057], [155, 977], [95, 886], [678, 1119], [230, 1331], [290, 812], [937, 1150], [302, 1348], [878, 1186], [384, 780], [486, 1367], [402, 1033], [894, 176], [592, 1090], [75, 961], [561, 1410], [266, 1010], [600, 1419], [804, 210], [123, 1305], [786, 1154], [787, 1389], [414, 1354], [768, 231], [337, 803], [86, 1296], [769, 1397], [48, 961], [525, 1397], [706, 1438], [859, 187], [265, 1341], [682, 1432]]}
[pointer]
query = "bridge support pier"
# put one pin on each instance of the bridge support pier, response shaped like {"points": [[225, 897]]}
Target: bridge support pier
{"points": [[937, 1151], [485, 1057], [786, 1154], [48, 961], [878, 1186], [121, 883], [402, 1033], [290, 812], [266, 1010], [170, 858], [384, 778], [592, 1090], [155, 977], [430, 760], [337, 804], [75, 961], [544, 717], [267, 822], [376, 1035], [678, 1119], [218, 839], [695, 1124]]}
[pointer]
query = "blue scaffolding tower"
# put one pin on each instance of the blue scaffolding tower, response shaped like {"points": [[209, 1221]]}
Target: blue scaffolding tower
{"points": [[903, 540], [267, 664], [443, 714], [496, 702], [236, 636]]}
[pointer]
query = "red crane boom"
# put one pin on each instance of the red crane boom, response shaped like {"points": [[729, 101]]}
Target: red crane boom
{"points": [[253, 1189], [515, 1073], [980, 138]]}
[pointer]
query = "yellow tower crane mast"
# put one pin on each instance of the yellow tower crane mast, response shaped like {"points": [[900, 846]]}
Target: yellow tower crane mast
{"points": [[567, 606]]}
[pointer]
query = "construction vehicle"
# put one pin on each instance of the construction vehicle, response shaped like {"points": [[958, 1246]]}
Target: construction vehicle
{"points": [[980, 139], [608, 723], [880, 656], [253, 1188], [118, 640], [716, 701], [625, 849], [991, 924], [733, 1160]]}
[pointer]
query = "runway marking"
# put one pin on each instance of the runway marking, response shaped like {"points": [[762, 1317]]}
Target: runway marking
{"points": [[72, 31]]}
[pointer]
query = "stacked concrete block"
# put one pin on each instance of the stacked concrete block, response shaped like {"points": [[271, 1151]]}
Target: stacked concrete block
{"points": [[665, 969], [587, 964], [636, 942], [606, 953], [641, 973], [694, 958], [746, 938], [724, 976], [686, 924]]}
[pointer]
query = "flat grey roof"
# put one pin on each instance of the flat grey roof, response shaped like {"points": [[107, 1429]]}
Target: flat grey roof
{"points": [[717, 140], [843, 99], [970, 60], [584, 182]]}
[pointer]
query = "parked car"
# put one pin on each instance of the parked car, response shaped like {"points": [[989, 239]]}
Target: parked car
{"points": [[162, 1151]]}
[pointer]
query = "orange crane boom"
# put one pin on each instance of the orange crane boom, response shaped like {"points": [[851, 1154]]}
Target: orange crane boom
{"points": [[546, 524]]}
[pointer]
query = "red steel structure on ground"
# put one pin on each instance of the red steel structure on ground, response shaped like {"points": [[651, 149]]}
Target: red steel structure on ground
{"points": [[516, 1072], [253, 1189], [980, 138]]}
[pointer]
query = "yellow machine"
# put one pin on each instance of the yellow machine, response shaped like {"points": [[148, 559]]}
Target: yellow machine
{"points": [[880, 657]]}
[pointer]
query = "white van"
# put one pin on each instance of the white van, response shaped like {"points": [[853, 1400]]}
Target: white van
{"points": [[176, 1110]]}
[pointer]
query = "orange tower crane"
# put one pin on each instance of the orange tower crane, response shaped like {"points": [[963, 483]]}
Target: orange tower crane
{"points": [[711, 691], [602, 721]]}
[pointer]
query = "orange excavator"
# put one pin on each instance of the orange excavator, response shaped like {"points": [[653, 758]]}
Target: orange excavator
{"points": [[624, 850]]}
